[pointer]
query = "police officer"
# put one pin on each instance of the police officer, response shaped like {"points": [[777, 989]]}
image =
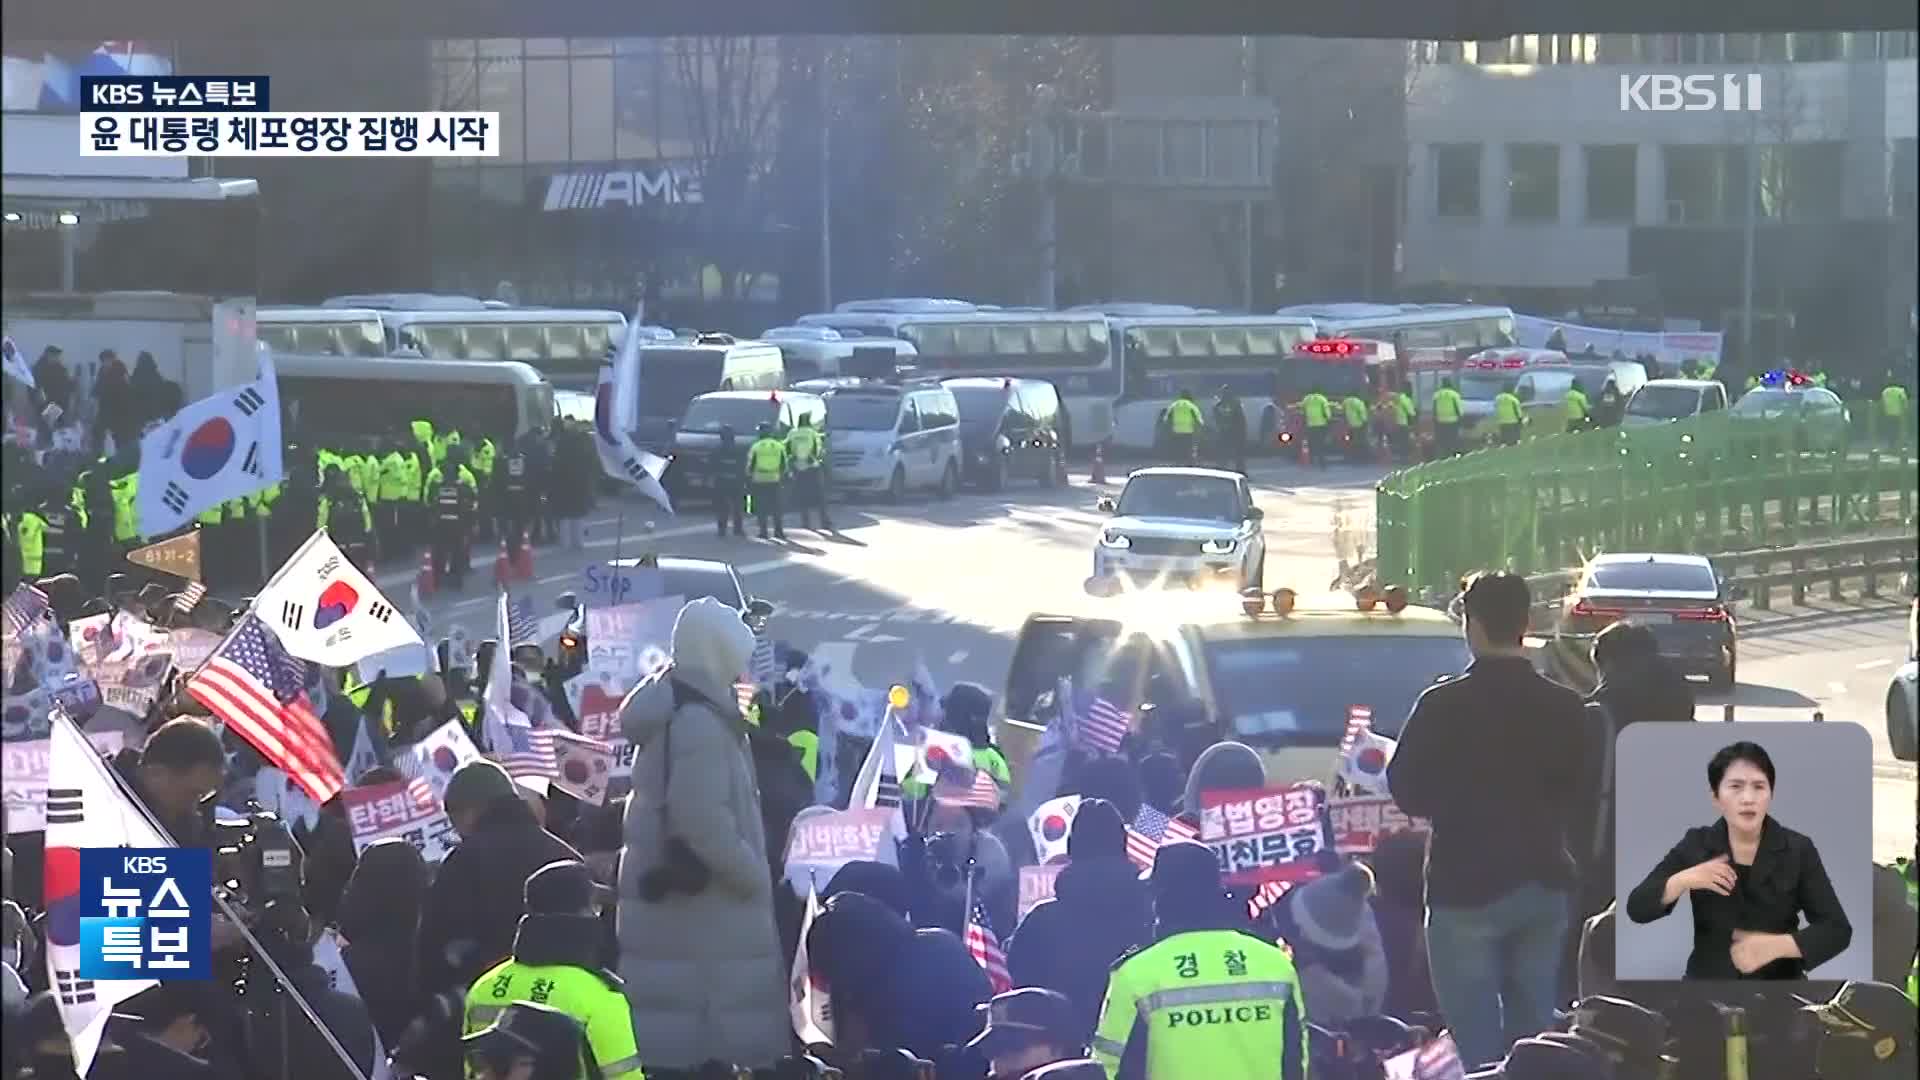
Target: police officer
{"points": [[1317, 411], [556, 962], [1230, 429], [729, 465], [1206, 999], [1579, 417], [1509, 415], [1184, 420], [807, 450], [1447, 407], [1353, 409], [58, 528], [399, 490], [1398, 408], [513, 496], [1893, 401], [528, 1042], [343, 512], [766, 469], [452, 506]]}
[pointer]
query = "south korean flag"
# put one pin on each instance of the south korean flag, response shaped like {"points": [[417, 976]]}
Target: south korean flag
{"points": [[219, 448], [616, 407], [323, 609]]}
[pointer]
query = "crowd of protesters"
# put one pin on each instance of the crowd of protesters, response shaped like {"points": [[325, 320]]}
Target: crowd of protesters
{"points": [[658, 930]]}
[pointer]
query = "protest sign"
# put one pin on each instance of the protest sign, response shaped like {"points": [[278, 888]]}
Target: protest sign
{"points": [[332, 962], [23, 780], [133, 685], [406, 809], [632, 641], [191, 646], [627, 582], [1037, 885], [1265, 835], [1360, 822], [819, 845]]}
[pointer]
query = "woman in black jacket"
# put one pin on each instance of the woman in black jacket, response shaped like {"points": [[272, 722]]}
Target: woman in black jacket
{"points": [[1749, 880], [380, 922]]}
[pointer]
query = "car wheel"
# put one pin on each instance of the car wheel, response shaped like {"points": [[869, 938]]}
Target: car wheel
{"points": [[897, 485], [949, 481], [1902, 739]]}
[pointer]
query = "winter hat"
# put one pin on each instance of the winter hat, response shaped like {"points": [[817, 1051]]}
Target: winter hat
{"points": [[476, 786], [709, 639], [872, 879], [1329, 912], [1097, 832], [1186, 884], [1224, 766], [966, 709]]}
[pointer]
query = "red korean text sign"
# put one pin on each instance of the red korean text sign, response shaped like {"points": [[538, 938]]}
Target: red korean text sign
{"points": [[1265, 835], [1361, 822]]}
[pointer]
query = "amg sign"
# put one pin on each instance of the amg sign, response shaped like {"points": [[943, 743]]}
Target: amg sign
{"points": [[621, 187]]}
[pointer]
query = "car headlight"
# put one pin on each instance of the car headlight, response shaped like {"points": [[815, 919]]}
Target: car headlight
{"points": [[1115, 540], [1218, 547]]}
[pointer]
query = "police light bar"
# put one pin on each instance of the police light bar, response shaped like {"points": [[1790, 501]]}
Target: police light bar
{"points": [[1337, 347], [1780, 378]]}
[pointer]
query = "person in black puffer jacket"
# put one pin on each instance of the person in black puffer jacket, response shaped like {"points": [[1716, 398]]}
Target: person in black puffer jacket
{"points": [[1100, 910], [380, 922]]}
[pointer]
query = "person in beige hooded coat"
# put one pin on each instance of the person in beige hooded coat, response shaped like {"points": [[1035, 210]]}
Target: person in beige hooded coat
{"points": [[703, 970]]}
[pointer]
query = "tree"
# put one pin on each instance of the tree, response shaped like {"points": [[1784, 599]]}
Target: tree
{"points": [[729, 89]]}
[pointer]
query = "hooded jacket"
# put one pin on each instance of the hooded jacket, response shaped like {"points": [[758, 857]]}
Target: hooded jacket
{"points": [[1224, 766], [1100, 909], [704, 972]]}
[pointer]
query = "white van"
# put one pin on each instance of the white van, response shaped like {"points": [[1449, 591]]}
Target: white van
{"points": [[891, 437]]}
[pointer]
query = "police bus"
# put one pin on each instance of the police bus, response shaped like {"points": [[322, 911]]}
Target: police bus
{"points": [[952, 338], [334, 400], [1162, 354], [567, 345], [673, 373], [322, 331]]}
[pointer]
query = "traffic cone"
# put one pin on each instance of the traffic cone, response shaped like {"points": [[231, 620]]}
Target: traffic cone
{"points": [[523, 563], [1098, 475], [424, 580], [502, 566]]}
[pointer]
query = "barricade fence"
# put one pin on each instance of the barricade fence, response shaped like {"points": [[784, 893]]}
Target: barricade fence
{"points": [[1711, 484]]}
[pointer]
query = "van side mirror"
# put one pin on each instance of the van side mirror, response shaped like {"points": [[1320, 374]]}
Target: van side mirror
{"points": [[1105, 504]]}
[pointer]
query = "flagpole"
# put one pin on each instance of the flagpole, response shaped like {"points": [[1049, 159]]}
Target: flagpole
{"points": [[227, 909]]}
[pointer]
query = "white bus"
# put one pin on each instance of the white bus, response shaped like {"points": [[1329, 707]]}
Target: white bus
{"points": [[344, 401], [322, 331], [673, 373], [567, 345], [820, 352], [411, 302], [1414, 326], [1161, 355], [952, 338]]}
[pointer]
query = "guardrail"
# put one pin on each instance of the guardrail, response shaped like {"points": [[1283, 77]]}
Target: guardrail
{"points": [[1874, 563], [1712, 484]]}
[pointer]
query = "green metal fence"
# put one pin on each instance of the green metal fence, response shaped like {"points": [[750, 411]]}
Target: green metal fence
{"points": [[1710, 484]]}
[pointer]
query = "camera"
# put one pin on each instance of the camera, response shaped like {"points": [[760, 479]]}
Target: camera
{"points": [[257, 862], [680, 872]]}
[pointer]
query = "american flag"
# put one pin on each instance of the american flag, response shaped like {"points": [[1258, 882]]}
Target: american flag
{"points": [[760, 669], [1359, 721], [258, 690], [25, 607], [1102, 727], [1269, 895], [985, 950], [743, 692], [189, 598], [1438, 1059], [976, 792], [530, 751], [1149, 830], [523, 626]]}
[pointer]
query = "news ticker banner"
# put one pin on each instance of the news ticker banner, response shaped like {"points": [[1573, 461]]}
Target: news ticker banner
{"points": [[231, 116]]}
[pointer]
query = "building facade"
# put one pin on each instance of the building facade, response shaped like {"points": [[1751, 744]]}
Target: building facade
{"points": [[1533, 177]]}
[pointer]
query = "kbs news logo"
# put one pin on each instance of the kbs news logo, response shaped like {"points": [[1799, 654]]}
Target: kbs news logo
{"points": [[1690, 93]]}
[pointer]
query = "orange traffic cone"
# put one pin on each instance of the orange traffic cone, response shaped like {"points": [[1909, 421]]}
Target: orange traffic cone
{"points": [[502, 566], [523, 561], [425, 578], [1098, 475]]}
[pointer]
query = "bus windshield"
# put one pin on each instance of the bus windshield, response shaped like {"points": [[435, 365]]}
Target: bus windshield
{"points": [[671, 378]]}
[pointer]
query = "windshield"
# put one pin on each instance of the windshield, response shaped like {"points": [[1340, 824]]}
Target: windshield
{"points": [[1298, 689], [980, 406], [1205, 497], [669, 379], [1768, 403], [1485, 387], [857, 413], [741, 414], [1665, 402], [1652, 577]]}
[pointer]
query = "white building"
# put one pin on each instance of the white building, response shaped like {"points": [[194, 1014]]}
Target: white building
{"points": [[1527, 178]]}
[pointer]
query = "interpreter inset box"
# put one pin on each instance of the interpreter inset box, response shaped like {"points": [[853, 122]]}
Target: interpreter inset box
{"points": [[1743, 851]]}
